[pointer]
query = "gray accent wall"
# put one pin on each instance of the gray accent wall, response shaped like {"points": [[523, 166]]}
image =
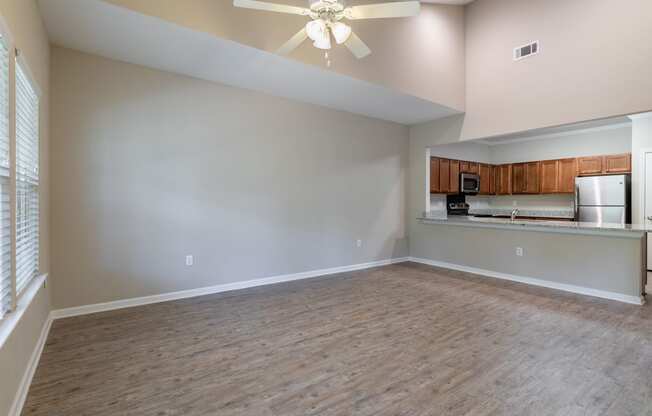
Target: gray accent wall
{"points": [[148, 167]]}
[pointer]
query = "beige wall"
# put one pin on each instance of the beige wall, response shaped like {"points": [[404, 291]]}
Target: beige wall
{"points": [[595, 62], [24, 22], [421, 56], [148, 167], [641, 143]]}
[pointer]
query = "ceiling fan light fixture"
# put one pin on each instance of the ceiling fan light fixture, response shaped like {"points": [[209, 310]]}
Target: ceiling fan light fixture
{"points": [[341, 32], [324, 43], [317, 30]]}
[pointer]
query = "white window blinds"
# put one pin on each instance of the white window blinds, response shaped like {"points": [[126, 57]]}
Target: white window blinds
{"points": [[5, 190], [27, 180]]}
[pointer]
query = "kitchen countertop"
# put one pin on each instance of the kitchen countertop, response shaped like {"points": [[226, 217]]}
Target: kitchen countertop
{"points": [[547, 213], [540, 225]]}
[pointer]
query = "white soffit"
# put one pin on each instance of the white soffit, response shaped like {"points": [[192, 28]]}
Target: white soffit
{"points": [[99, 28], [560, 131]]}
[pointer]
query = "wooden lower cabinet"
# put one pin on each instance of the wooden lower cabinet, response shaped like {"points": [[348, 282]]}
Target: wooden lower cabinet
{"points": [[503, 179], [434, 175]]}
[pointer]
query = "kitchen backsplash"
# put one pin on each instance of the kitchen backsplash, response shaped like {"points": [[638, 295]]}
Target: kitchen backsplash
{"points": [[555, 202], [523, 202]]}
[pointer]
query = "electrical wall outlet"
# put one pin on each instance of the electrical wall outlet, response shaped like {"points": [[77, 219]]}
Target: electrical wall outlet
{"points": [[514, 203], [358, 243], [519, 251], [190, 260]]}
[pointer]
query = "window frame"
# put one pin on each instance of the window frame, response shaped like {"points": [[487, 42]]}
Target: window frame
{"points": [[16, 58], [24, 66]]}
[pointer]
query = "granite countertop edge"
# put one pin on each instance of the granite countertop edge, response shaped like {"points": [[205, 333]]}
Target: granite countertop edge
{"points": [[568, 227]]}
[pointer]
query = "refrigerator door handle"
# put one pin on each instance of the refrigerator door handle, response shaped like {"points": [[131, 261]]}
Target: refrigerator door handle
{"points": [[577, 202]]}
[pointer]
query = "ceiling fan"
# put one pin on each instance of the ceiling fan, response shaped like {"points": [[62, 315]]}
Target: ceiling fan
{"points": [[327, 16]]}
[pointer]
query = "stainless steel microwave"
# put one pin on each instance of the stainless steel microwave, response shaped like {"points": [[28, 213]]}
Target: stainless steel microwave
{"points": [[469, 183]]}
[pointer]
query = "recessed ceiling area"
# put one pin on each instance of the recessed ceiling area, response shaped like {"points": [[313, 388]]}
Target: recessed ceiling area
{"points": [[90, 26]]}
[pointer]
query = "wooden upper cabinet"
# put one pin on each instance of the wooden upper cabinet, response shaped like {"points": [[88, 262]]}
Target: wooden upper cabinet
{"points": [[590, 165], [444, 175], [567, 174], [518, 178], [549, 176], [609, 164], [486, 179], [503, 176], [454, 181], [618, 163], [540, 177], [469, 167], [532, 177], [434, 175], [525, 178]]}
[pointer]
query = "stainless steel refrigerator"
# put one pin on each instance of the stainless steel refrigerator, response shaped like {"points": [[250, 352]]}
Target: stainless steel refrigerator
{"points": [[603, 199]]}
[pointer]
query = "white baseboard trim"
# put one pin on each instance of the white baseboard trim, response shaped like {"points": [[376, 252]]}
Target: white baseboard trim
{"points": [[164, 297], [25, 383], [635, 300]]}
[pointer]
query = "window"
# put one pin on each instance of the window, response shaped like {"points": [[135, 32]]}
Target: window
{"points": [[27, 180], [6, 282]]}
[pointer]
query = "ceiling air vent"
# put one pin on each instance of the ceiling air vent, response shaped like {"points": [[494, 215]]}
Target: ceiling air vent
{"points": [[526, 50]]}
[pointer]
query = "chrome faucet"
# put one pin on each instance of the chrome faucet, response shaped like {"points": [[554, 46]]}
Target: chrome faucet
{"points": [[514, 213]]}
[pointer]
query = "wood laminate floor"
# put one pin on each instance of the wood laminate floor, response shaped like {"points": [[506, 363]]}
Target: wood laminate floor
{"points": [[399, 340]]}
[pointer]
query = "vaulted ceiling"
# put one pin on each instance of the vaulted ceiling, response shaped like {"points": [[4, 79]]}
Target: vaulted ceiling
{"points": [[415, 73]]}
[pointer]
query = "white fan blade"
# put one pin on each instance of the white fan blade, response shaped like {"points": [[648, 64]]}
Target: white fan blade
{"points": [[383, 10], [357, 46], [271, 7], [293, 43]]}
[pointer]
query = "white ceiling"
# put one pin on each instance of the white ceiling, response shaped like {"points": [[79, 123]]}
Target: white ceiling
{"points": [[96, 27]]}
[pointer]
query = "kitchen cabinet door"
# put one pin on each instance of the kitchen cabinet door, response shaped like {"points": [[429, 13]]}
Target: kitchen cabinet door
{"points": [[486, 179], [550, 176], [444, 175], [567, 174], [503, 175], [492, 184], [454, 182], [532, 177], [469, 167], [434, 175], [590, 165], [618, 163], [518, 178]]}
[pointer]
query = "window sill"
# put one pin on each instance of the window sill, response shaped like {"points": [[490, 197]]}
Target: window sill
{"points": [[10, 321]]}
